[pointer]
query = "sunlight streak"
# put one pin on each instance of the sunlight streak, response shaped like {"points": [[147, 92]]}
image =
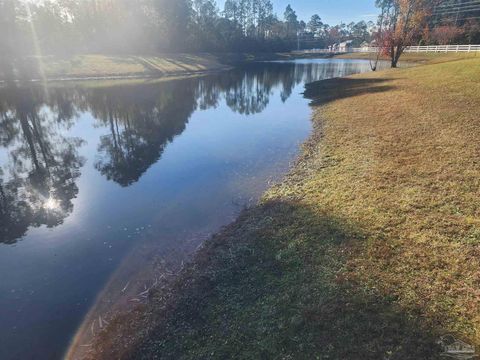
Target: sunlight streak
{"points": [[38, 52]]}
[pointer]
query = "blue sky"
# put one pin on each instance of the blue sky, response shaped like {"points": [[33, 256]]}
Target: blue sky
{"points": [[331, 11]]}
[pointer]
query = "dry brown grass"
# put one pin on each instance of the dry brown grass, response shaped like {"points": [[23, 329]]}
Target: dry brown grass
{"points": [[405, 150], [416, 57], [370, 249]]}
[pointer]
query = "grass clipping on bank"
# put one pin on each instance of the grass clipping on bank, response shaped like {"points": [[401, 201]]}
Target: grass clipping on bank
{"points": [[370, 249]]}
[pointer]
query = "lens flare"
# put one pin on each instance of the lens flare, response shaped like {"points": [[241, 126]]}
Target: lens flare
{"points": [[51, 204]]}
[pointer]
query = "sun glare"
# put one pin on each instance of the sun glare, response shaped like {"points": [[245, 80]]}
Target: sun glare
{"points": [[51, 204]]}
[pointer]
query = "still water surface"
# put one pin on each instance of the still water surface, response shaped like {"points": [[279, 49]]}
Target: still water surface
{"points": [[103, 186]]}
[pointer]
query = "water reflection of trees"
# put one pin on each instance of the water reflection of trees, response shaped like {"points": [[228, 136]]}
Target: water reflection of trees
{"points": [[38, 182], [141, 120]]}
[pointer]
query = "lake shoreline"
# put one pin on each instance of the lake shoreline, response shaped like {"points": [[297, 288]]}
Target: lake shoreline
{"points": [[318, 264], [168, 76], [164, 67], [94, 67]]}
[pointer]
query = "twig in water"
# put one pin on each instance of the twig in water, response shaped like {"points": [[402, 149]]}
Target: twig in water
{"points": [[126, 286], [144, 293], [92, 328]]}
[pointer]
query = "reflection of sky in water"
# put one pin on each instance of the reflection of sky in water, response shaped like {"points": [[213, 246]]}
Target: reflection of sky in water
{"points": [[159, 164]]}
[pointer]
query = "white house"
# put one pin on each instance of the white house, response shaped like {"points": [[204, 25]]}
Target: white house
{"points": [[345, 46]]}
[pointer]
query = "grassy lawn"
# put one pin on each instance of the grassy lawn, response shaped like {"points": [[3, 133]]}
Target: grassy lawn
{"points": [[86, 66], [127, 66], [370, 248], [104, 66], [431, 58]]}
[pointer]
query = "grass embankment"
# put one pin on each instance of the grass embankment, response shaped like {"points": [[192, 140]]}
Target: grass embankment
{"points": [[431, 58], [370, 249], [105, 66], [87, 66], [97, 66]]}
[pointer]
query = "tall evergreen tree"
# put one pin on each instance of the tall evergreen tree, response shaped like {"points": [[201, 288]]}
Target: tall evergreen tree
{"points": [[291, 21]]}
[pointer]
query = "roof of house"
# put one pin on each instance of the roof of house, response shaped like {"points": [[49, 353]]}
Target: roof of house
{"points": [[345, 43]]}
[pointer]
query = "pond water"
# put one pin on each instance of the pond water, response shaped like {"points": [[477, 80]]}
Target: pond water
{"points": [[105, 187]]}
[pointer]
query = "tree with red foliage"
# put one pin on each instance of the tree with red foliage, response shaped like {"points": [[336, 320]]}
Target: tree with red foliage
{"points": [[445, 34], [402, 22]]}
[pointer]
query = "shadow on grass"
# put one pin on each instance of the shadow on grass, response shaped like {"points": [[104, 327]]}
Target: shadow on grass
{"points": [[322, 92], [127, 60], [270, 286], [153, 68], [178, 64]]}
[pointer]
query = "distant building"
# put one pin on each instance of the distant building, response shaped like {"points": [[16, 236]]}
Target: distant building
{"points": [[345, 46], [333, 48]]}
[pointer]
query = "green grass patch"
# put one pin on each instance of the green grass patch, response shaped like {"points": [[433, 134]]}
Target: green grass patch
{"points": [[104, 66]]}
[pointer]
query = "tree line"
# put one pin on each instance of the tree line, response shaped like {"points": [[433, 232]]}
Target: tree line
{"points": [[65, 27], [151, 26]]}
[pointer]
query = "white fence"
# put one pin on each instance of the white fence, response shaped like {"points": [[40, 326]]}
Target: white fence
{"points": [[409, 49], [443, 48]]}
